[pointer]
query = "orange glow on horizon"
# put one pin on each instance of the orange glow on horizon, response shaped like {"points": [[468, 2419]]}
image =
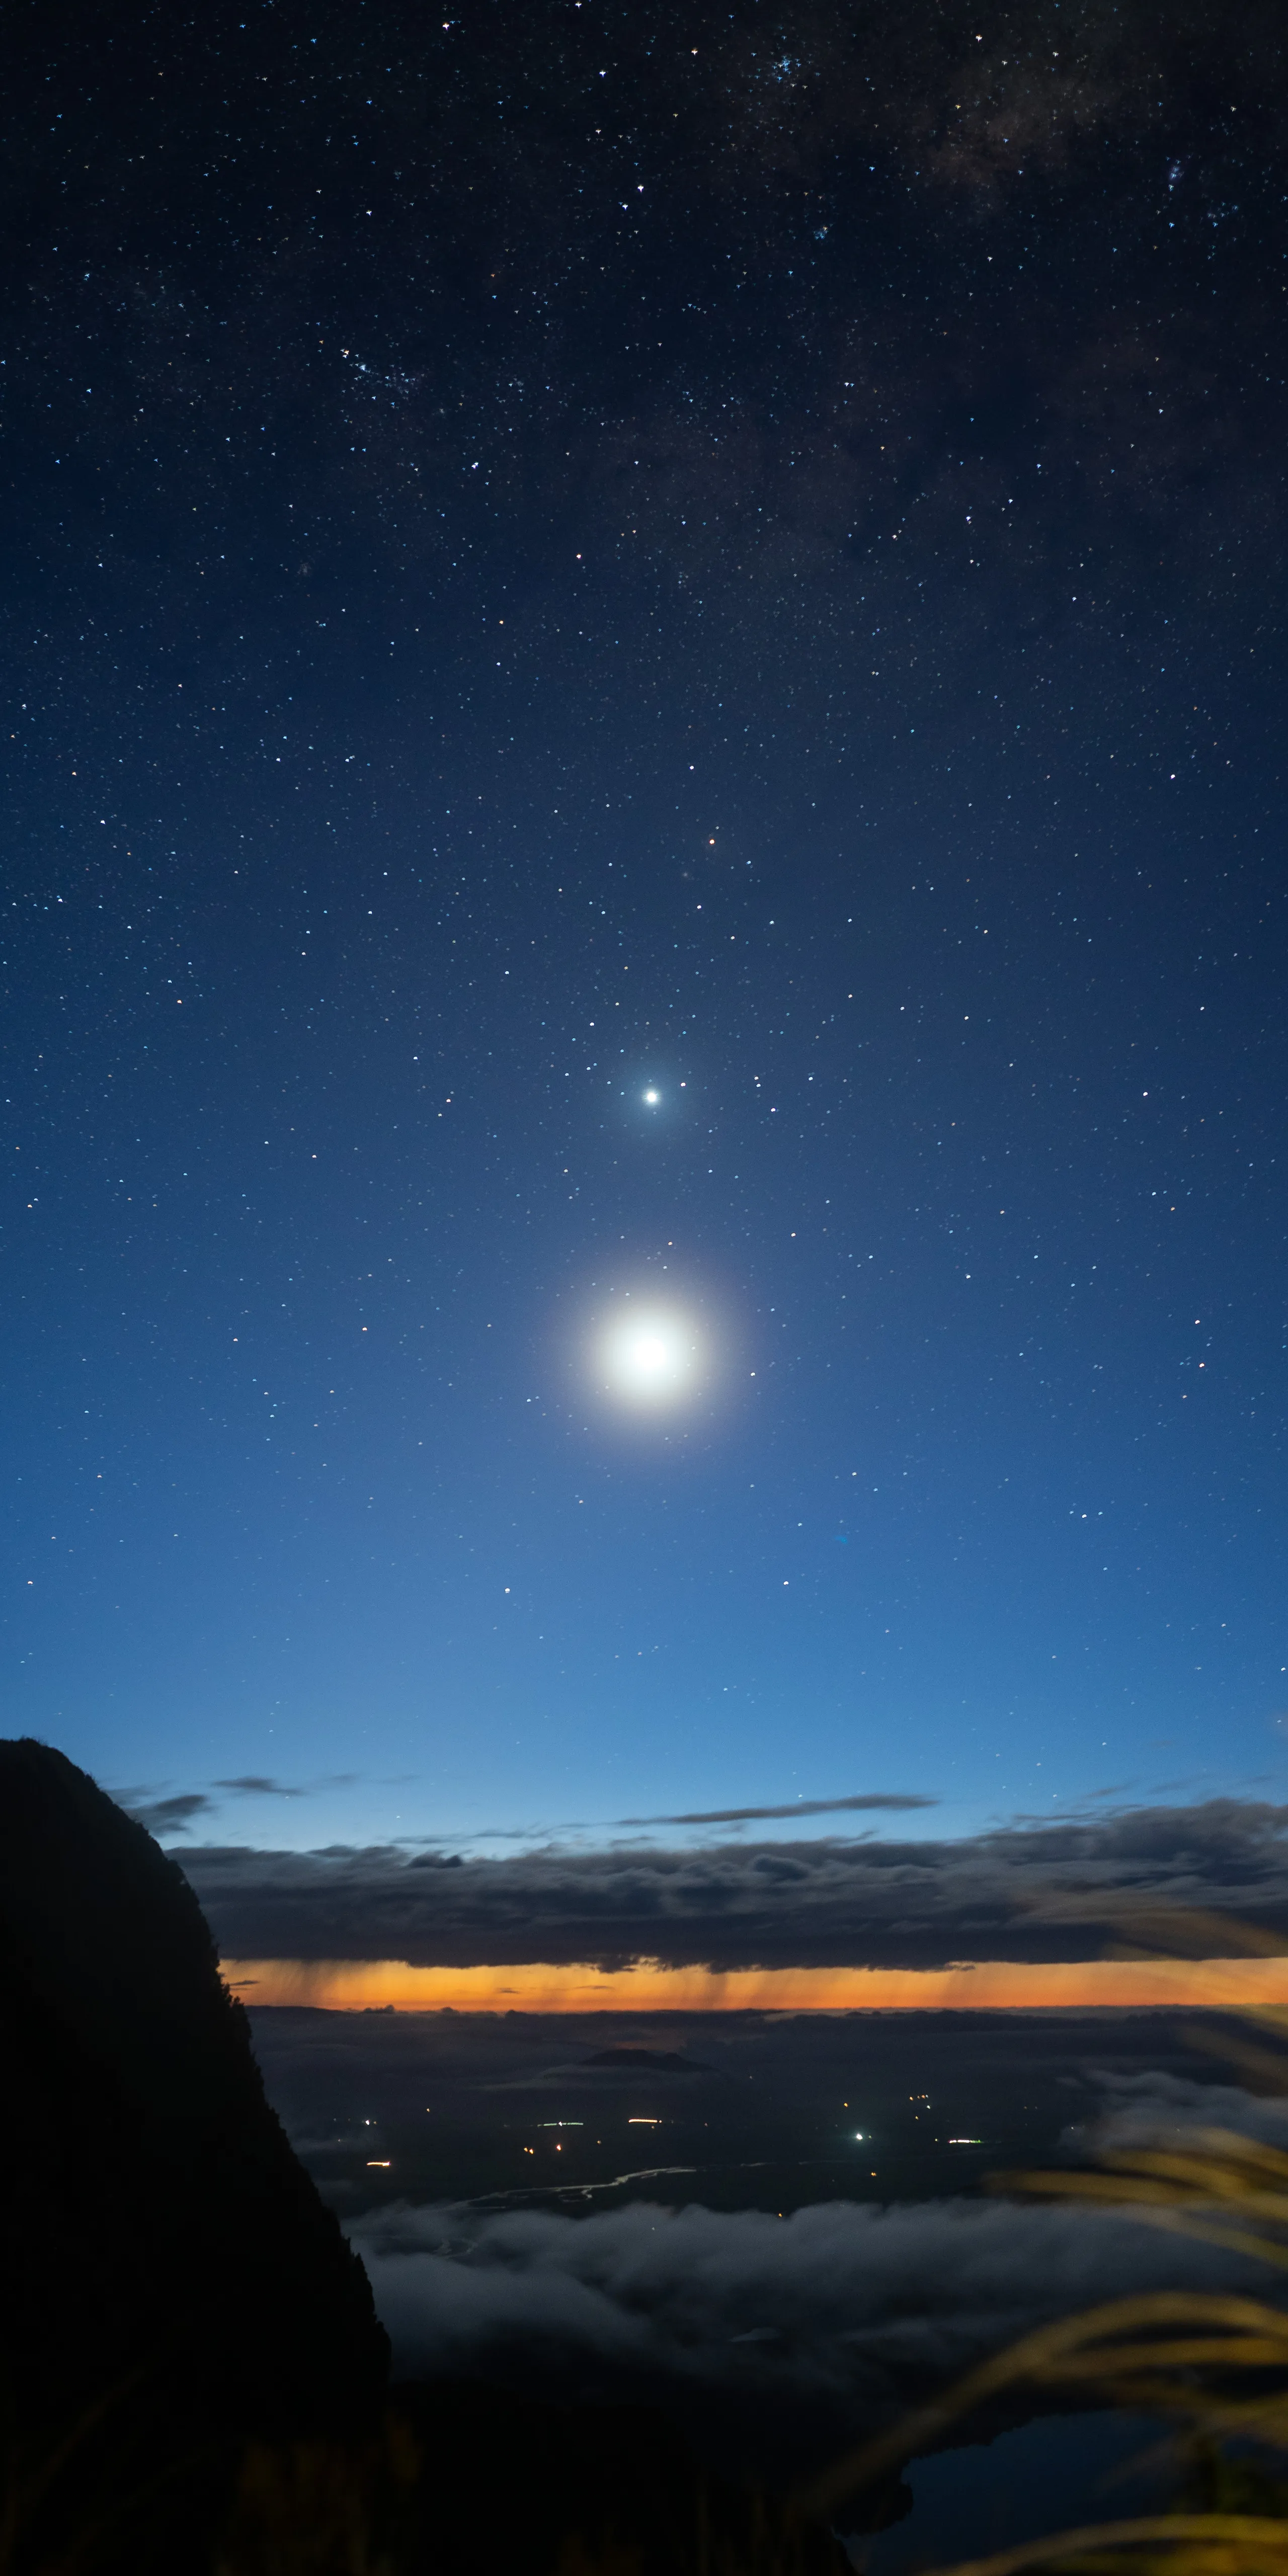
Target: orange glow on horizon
{"points": [[354, 1985]]}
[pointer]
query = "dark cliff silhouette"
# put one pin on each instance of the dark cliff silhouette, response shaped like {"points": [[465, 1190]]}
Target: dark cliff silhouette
{"points": [[156, 2222], [192, 2375]]}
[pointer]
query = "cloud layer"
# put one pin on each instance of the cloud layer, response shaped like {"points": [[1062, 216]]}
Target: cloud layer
{"points": [[795, 1807], [1040, 1893], [776, 2338]]}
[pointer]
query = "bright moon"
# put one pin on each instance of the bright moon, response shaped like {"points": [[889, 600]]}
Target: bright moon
{"points": [[650, 1358]]}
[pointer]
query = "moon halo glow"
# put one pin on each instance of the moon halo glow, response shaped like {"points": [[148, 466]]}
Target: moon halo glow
{"points": [[649, 1358]]}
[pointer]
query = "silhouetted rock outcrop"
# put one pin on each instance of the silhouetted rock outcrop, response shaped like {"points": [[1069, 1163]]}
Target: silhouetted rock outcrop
{"points": [[155, 2219], [186, 2341]]}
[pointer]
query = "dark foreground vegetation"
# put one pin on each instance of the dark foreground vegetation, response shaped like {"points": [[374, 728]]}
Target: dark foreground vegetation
{"points": [[449, 2477]]}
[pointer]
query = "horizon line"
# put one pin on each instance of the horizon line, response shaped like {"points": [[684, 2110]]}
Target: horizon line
{"points": [[650, 1985]]}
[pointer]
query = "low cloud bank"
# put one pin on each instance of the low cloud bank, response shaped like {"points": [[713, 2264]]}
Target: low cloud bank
{"points": [[1156, 2109], [776, 2339], [1036, 1892]]}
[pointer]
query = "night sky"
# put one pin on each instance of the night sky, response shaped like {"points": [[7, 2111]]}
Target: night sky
{"points": [[571, 553]]}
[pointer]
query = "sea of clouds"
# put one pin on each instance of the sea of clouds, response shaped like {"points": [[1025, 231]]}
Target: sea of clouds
{"points": [[780, 2339]]}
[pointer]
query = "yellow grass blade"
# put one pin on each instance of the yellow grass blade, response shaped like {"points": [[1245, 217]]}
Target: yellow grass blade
{"points": [[1254, 2540]]}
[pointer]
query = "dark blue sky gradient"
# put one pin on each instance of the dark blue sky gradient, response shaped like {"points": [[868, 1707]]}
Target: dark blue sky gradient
{"points": [[361, 878]]}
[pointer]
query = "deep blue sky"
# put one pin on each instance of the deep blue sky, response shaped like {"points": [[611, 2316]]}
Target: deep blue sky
{"points": [[774, 597]]}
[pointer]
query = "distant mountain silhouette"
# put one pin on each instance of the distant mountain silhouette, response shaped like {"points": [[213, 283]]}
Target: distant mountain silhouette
{"points": [[153, 2217], [650, 2061]]}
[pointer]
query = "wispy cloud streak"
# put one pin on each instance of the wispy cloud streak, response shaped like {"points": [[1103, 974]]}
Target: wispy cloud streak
{"points": [[795, 1807]]}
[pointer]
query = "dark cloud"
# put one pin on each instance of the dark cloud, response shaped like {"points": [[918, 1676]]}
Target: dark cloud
{"points": [[252, 1784], [794, 1807], [1023, 1892], [177, 1815], [165, 1816], [794, 2331]]}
